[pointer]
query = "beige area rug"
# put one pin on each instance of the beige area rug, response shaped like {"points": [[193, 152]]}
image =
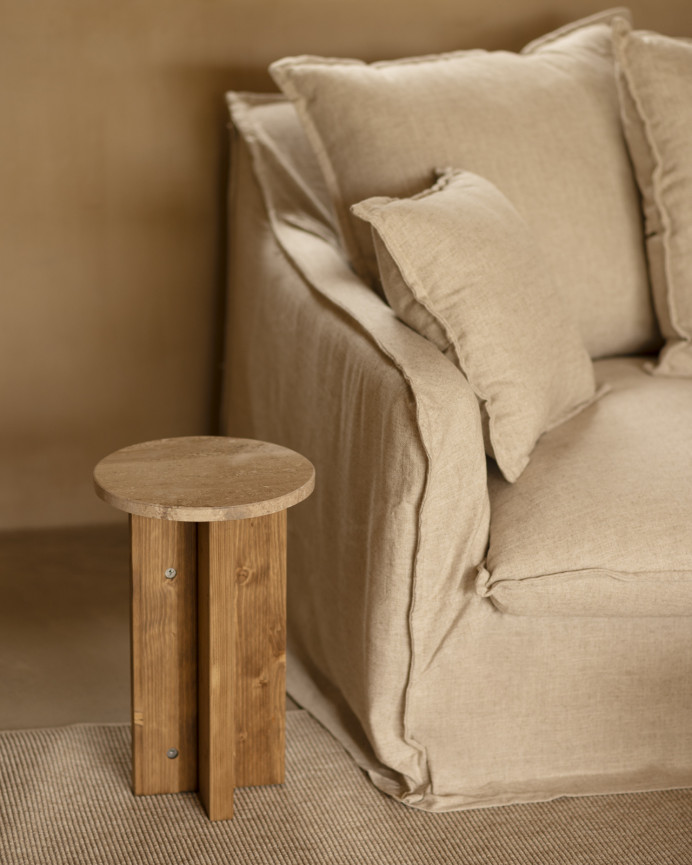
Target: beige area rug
{"points": [[65, 798]]}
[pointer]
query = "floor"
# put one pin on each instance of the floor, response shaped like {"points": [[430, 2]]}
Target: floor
{"points": [[64, 627], [64, 658]]}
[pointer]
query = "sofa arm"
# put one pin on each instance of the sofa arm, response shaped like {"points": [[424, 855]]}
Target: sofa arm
{"points": [[383, 556]]}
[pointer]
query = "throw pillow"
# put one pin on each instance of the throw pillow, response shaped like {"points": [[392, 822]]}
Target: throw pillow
{"points": [[460, 266], [544, 126], [655, 82]]}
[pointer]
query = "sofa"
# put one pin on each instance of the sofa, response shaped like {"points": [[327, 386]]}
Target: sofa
{"points": [[461, 285]]}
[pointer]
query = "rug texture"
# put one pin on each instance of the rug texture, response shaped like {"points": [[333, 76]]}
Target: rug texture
{"points": [[65, 798]]}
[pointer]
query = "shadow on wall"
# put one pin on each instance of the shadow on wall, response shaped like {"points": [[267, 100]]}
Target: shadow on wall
{"points": [[210, 86]]}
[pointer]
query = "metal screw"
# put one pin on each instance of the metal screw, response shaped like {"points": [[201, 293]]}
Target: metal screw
{"points": [[170, 573], [172, 753]]}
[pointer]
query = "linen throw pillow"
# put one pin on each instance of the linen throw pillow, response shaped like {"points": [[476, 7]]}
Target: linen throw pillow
{"points": [[544, 126], [460, 266], [655, 83]]}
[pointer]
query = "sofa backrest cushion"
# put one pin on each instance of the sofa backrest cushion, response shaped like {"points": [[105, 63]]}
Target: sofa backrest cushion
{"points": [[543, 126], [460, 266], [655, 81]]}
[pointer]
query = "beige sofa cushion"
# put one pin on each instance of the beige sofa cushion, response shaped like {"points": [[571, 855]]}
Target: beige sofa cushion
{"points": [[655, 80], [543, 126], [460, 266], [599, 523]]}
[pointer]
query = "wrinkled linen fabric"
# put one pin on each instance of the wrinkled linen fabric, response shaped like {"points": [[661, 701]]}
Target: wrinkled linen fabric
{"points": [[461, 267], [600, 524], [447, 702], [655, 83], [333, 371], [542, 125]]}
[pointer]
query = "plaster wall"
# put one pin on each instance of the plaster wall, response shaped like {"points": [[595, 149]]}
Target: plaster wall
{"points": [[112, 176]]}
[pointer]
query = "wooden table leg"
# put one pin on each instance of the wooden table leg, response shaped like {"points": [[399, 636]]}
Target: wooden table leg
{"points": [[241, 657], [164, 655]]}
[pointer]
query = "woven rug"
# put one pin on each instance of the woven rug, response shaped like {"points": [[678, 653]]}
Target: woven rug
{"points": [[65, 798]]}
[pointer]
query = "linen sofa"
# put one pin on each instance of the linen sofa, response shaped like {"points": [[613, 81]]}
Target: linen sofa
{"points": [[475, 640]]}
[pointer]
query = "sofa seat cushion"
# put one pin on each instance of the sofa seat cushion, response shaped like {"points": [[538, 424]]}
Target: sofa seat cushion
{"points": [[600, 522]]}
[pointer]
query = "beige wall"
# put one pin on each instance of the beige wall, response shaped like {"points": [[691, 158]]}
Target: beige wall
{"points": [[111, 204]]}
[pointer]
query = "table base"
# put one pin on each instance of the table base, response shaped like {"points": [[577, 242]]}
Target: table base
{"points": [[208, 656]]}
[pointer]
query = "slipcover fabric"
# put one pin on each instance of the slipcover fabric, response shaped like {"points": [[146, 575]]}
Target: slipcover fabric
{"points": [[332, 370], [655, 82], [543, 126], [462, 268], [599, 523], [446, 701]]}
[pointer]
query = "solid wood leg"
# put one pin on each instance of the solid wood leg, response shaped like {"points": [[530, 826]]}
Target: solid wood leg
{"points": [[215, 658], [242, 657], [164, 656], [260, 690]]}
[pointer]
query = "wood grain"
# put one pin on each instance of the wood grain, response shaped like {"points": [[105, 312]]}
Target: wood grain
{"points": [[259, 564], [164, 669], [204, 478], [216, 660], [241, 657]]}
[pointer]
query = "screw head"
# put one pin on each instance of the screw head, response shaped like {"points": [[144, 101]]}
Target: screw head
{"points": [[170, 573], [172, 753]]}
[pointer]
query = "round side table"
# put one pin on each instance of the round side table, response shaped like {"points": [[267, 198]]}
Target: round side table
{"points": [[208, 554]]}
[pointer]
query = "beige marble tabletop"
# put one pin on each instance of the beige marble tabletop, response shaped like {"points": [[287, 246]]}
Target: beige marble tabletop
{"points": [[204, 478]]}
